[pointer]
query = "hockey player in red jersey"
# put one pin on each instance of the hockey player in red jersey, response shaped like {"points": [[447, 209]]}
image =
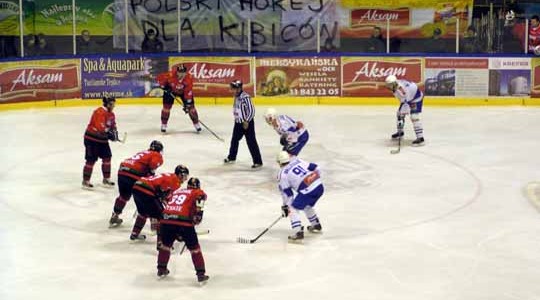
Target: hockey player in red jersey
{"points": [[534, 33], [183, 211], [150, 193], [100, 129], [177, 83], [132, 169]]}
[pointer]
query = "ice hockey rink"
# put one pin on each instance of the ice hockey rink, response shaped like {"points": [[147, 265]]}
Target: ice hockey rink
{"points": [[455, 219]]}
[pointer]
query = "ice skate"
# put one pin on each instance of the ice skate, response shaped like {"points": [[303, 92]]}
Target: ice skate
{"points": [[87, 185], [108, 183], [162, 272], [315, 228], [418, 142], [202, 279], [197, 127], [138, 237], [228, 161], [256, 166], [297, 237], [396, 135], [163, 128], [115, 220]]}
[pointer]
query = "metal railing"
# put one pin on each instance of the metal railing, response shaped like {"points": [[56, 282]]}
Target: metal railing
{"points": [[489, 33]]}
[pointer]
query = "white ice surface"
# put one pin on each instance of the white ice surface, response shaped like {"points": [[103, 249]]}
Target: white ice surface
{"points": [[449, 220]]}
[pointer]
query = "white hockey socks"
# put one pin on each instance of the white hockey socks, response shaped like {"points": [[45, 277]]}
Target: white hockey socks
{"points": [[311, 215], [296, 224], [418, 129]]}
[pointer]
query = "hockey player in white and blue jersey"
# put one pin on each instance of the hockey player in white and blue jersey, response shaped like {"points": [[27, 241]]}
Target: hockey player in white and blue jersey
{"points": [[303, 178], [411, 100], [293, 134]]}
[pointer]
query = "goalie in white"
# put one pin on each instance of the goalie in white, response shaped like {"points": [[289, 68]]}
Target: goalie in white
{"points": [[411, 100], [293, 134], [297, 175]]}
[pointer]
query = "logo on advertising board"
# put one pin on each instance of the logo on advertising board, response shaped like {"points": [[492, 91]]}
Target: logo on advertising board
{"points": [[365, 77], [39, 83], [219, 72], [212, 78], [375, 16], [298, 76]]}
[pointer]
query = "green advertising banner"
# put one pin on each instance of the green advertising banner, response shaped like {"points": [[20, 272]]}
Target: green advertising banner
{"points": [[55, 17], [9, 17]]}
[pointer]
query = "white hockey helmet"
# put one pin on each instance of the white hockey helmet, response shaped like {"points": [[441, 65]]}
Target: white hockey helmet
{"points": [[391, 79], [283, 158], [270, 115]]}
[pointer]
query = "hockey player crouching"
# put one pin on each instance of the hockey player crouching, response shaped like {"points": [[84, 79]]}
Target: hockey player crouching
{"points": [[297, 175], [132, 169], [181, 214], [293, 134], [100, 129], [178, 83], [150, 194], [411, 100]]}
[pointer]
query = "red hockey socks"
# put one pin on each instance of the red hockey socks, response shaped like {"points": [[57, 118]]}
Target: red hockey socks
{"points": [[87, 170], [193, 115], [163, 258], [198, 260], [165, 113], [138, 226], [119, 205], [106, 168]]}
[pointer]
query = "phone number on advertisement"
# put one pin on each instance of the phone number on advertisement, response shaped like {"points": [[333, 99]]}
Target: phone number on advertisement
{"points": [[314, 92]]}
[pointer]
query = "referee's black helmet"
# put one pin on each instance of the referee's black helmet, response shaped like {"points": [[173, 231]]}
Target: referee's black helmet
{"points": [[237, 84]]}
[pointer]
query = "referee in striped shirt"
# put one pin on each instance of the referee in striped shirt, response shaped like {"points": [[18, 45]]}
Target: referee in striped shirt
{"points": [[244, 112]]}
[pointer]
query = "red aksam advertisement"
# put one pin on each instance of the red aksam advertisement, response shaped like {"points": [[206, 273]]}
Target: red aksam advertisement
{"points": [[377, 17], [40, 80], [364, 76], [411, 19], [298, 76], [212, 75]]}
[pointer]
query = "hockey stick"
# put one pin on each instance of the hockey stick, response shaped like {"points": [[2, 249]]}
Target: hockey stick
{"points": [[206, 231], [183, 248], [396, 151], [213, 133], [210, 130], [123, 139], [248, 241], [400, 133], [203, 232]]}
